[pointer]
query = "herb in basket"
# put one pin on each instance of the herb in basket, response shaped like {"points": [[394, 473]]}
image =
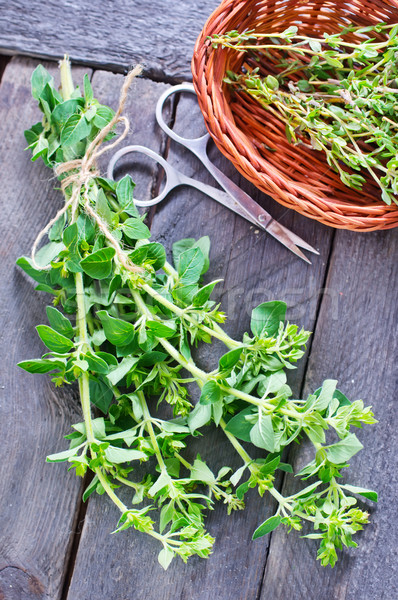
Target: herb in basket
{"points": [[336, 96], [135, 321]]}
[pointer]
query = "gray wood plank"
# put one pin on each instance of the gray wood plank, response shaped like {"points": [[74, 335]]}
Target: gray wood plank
{"points": [[92, 568], [108, 34], [255, 267], [38, 501], [355, 342]]}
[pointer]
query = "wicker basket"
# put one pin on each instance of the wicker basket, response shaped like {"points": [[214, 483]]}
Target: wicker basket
{"points": [[255, 141]]}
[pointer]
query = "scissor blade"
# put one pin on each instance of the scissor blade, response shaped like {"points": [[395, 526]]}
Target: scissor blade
{"points": [[295, 238], [283, 236], [253, 213], [248, 208]]}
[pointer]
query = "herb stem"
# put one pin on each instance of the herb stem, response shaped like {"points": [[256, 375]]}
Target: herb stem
{"points": [[108, 489], [84, 381], [247, 460], [182, 460], [149, 427], [123, 508], [238, 447], [170, 270], [216, 332], [303, 515], [188, 364], [127, 482], [247, 397], [67, 87], [84, 389], [81, 309], [300, 37], [278, 497]]}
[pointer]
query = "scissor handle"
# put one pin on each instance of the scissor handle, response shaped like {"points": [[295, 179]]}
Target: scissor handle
{"points": [[171, 178], [190, 143]]}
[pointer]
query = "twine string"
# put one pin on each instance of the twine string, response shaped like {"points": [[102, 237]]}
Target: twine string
{"points": [[82, 171]]}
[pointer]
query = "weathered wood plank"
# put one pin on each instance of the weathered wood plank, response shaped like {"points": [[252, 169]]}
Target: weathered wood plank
{"points": [[111, 35], [255, 267], [93, 567], [355, 342], [38, 501]]}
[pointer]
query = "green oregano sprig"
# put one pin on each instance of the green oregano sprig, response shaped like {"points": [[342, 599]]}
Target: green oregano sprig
{"points": [[336, 96], [137, 319]]}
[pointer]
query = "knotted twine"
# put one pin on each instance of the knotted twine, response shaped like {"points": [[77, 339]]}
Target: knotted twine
{"points": [[83, 171]]}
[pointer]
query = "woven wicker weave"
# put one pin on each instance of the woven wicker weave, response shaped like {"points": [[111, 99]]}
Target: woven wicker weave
{"points": [[295, 176]]}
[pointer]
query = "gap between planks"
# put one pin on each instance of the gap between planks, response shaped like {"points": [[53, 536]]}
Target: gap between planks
{"points": [[4, 60], [303, 383], [82, 507]]}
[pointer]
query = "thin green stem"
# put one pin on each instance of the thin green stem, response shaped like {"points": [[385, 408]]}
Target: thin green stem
{"points": [[278, 497], [84, 380], [123, 508], [189, 365], [247, 460], [341, 41], [240, 47], [108, 489], [247, 397], [216, 332], [182, 460], [84, 389], [127, 482], [170, 270], [304, 516], [238, 447], [81, 309], [149, 428]]}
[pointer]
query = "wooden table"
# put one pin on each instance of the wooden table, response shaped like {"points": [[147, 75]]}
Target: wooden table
{"points": [[54, 547]]}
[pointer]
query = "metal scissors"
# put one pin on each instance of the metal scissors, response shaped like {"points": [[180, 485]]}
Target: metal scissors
{"points": [[233, 197]]}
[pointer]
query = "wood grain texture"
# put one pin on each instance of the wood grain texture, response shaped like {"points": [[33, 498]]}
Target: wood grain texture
{"points": [[359, 348], [255, 268], [108, 34], [38, 501], [102, 557]]}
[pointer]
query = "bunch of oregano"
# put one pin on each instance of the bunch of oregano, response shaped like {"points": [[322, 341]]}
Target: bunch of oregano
{"points": [[336, 96], [125, 334]]}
